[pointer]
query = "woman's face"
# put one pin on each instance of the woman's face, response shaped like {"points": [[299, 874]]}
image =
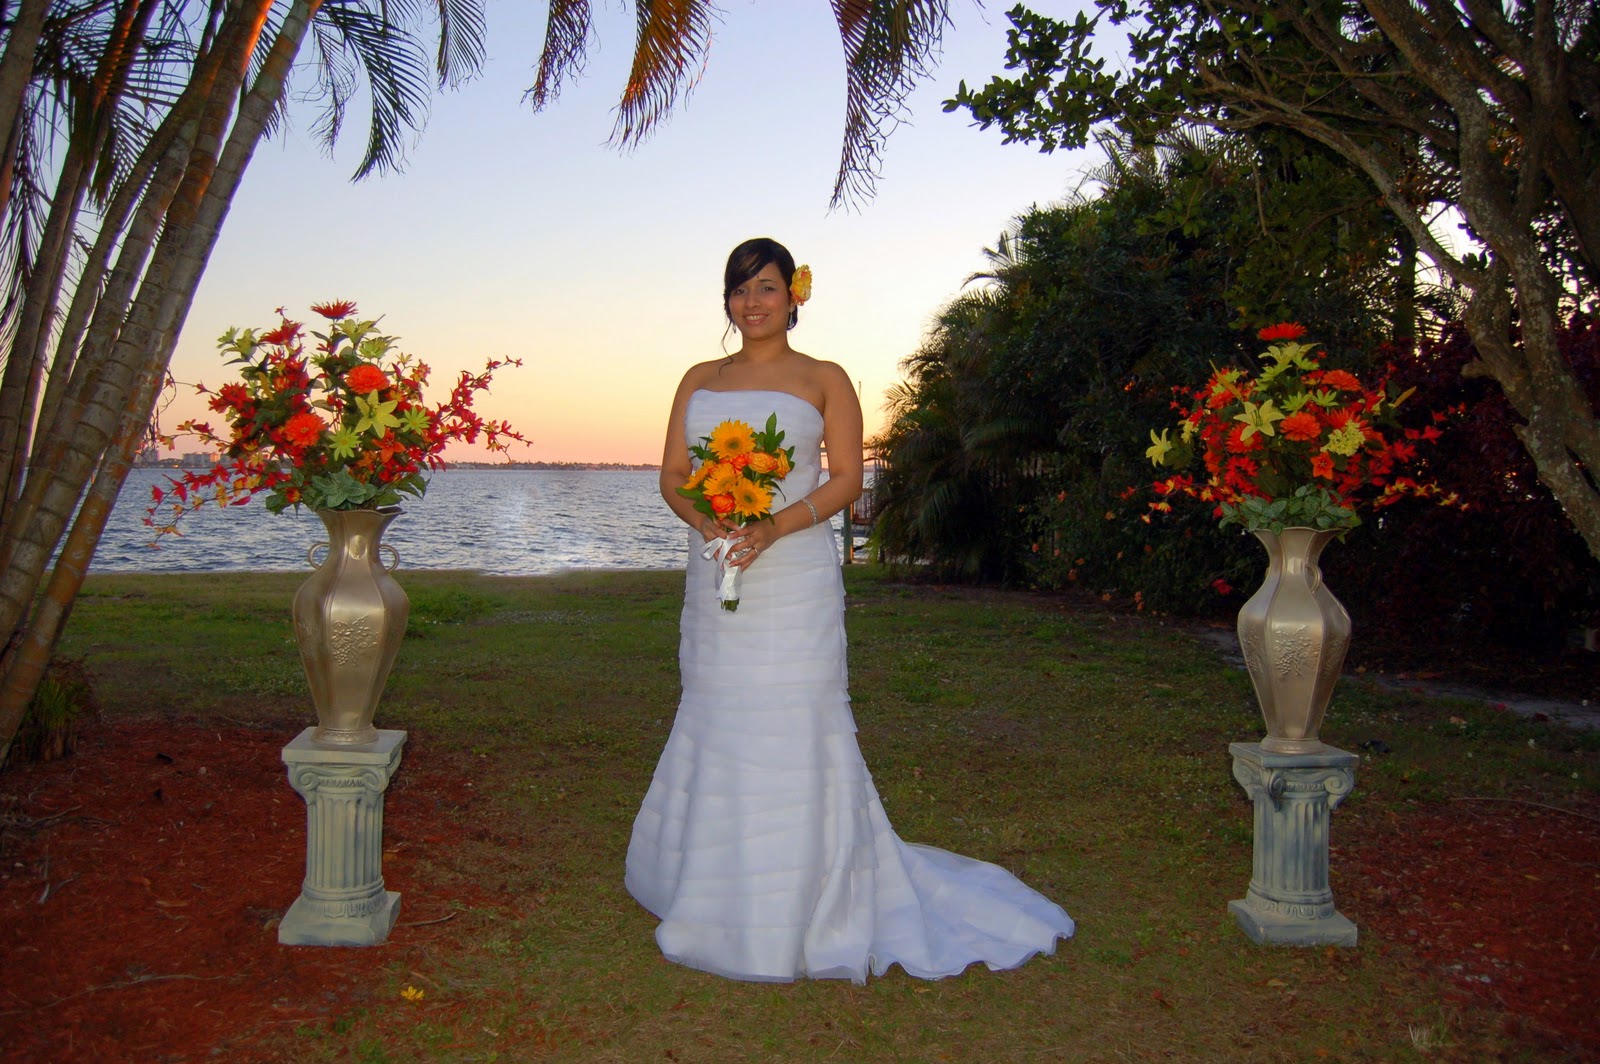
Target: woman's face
{"points": [[760, 306]]}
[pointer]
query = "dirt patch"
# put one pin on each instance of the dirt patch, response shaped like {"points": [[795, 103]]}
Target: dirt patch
{"points": [[142, 879]]}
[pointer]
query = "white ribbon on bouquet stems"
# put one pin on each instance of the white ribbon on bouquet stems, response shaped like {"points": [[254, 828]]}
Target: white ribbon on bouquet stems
{"points": [[720, 549]]}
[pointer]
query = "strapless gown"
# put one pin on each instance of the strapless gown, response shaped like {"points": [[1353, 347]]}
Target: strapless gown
{"points": [[761, 844]]}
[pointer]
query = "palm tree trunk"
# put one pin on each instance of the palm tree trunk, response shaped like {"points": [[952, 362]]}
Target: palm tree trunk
{"points": [[146, 342], [16, 71]]}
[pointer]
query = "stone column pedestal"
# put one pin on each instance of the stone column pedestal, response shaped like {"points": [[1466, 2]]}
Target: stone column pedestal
{"points": [[342, 901], [1289, 902]]}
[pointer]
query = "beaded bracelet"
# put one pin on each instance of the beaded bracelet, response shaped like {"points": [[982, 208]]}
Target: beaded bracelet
{"points": [[813, 510]]}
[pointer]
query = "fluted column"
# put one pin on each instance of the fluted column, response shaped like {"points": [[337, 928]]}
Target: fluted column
{"points": [[1289, 901], [342, 900]]}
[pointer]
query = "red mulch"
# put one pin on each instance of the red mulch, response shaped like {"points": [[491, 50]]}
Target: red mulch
{"points": [[141, 880], [138, 922], [1497, 899]]}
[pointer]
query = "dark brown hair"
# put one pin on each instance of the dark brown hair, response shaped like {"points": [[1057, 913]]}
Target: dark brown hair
{"points": [[747, 260]]}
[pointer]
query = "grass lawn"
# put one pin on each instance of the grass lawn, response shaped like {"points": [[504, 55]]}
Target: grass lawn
{"points": [[1082, 748]]}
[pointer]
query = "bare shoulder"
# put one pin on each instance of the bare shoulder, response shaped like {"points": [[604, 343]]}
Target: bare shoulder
{"points": [[700, 374]]}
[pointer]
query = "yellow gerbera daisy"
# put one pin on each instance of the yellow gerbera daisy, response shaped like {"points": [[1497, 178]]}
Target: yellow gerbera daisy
{"points": [[699, 475], [750, 499], [731, 438], [721, 479]]}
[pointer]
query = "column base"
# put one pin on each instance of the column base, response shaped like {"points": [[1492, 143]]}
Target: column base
{"points": [[342, 901], [1276, 929], [302, 925]]}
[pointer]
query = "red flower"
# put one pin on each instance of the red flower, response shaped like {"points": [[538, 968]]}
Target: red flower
{"points": [[1322, 465], [333, 311], [366, 378], [721, 504], [1286, 330], [1302, 425], [1343, 380], [1237, 444], [1222, 586], [304, 429], [281, 335]]}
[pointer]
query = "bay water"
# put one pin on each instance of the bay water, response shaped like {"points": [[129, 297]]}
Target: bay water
{"points": [[503, 522]]}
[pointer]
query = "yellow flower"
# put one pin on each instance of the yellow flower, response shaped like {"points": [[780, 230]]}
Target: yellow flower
{"points": [[699, 475], [377, 417], [1346, 441], [411, 993], [731, 438], [1159, 446], [800, 286], [1259, 419], [721, 479], [783, 465], [750, 499]]}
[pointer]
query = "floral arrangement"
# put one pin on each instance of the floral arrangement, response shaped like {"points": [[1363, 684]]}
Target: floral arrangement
{"points": [[800, 284], [1296, 444], [342, 428], [738, 474]]}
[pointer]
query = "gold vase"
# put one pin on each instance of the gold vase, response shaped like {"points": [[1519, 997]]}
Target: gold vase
{"points": [[1294, 634], [349, 618]]}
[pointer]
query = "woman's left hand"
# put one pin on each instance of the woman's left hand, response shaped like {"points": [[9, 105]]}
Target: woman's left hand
{"points": [[750, 542]]}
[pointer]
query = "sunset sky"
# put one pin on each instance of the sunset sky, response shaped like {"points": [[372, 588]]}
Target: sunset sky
{"points": [[522, 235]]}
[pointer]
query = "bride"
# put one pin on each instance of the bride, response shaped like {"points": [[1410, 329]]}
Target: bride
{"points": [[761, 844]]}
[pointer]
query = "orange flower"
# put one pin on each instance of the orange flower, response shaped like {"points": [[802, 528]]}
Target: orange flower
{"points": [[304, 429], [1343, 380], [761, 462], [1322, 465], [365, 378], [1301, 425], [721, 504]]}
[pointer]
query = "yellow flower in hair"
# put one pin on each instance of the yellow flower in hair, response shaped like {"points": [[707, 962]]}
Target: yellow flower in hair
{"points": [[800, 286], [731, 438], [721, 479], [750, 499]]}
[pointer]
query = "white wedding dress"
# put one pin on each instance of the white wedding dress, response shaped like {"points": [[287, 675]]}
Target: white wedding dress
{"points": [[761, 843]]}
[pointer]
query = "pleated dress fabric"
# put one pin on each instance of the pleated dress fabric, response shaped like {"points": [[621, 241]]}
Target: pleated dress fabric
{"points": [[761, 843]]}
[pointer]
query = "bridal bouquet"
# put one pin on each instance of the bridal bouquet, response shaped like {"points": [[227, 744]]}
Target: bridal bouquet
{"points": [[738, 473], [341, 426]]}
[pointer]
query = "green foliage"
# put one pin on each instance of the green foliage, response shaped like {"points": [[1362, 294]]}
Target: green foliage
{"points": [[1024, 416], [1309, 507], [50, 725]]}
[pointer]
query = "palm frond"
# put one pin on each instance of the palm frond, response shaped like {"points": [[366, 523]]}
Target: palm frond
{"points": [[462, 30], [395, 69], [668, 59], [888, 47], [566, 43]]}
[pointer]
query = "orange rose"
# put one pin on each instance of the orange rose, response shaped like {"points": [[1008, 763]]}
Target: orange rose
{"points": [[783, 464], [739, 461], [721, 504], [762, 462]]}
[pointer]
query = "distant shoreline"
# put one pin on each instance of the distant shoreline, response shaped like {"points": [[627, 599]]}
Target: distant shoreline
{"points": [[628, 467]]}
